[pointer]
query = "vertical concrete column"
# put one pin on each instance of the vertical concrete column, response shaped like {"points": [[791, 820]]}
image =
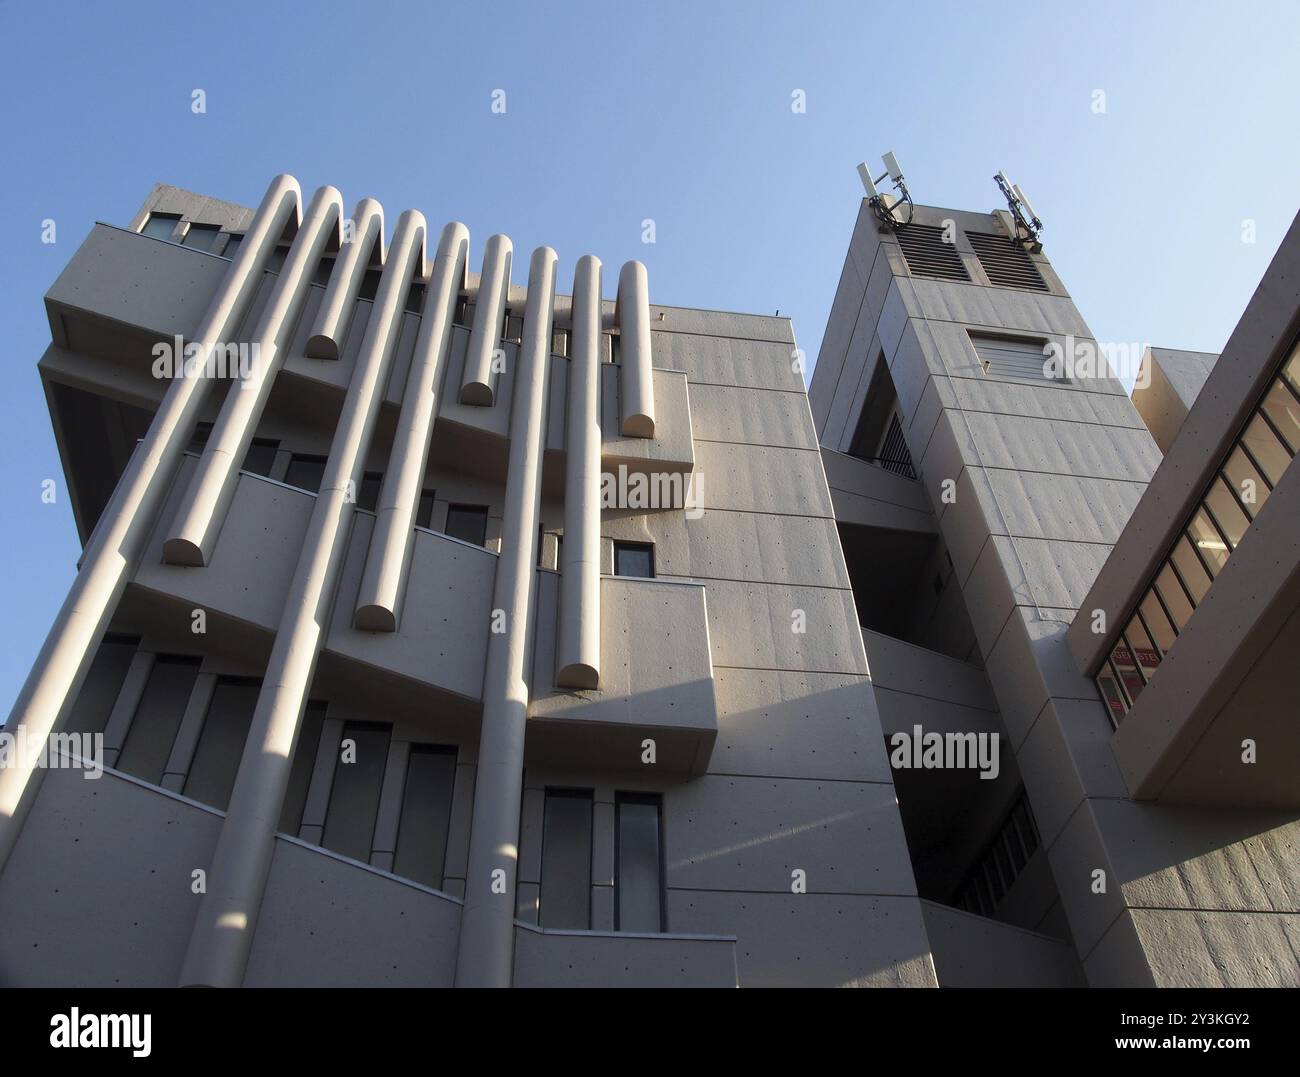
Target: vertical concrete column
{"points": [[578, 647], [477, 384], [638, 419], [485, 957], [115, 549], [223, 930], [362, 234], [383, 580], [202, 510]]}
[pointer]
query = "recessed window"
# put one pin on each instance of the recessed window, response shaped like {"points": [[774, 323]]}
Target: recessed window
{"points": [[426, 814], [201, 236], [1022, 358], [160, 226], [260, 457], [566, 860], [305, 472], [424, 511], [369, 284], [221, 742], [102, 685], [467, 523], [354, 796], [415, 296], [638, 855], [232, 244], [368, 492], [275, 262], [300, 771], [323, 270], [158, 717], [634, 559]]}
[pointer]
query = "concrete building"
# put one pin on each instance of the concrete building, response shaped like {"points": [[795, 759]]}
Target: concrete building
{"points": [[1043, 543], [440, 627]]}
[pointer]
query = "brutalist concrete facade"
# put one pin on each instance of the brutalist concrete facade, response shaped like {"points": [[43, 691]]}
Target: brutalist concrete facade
{"points": [[1052, 507], [272, 579], [475, 629]]}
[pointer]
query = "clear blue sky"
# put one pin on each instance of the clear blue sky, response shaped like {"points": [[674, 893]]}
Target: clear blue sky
{"points": [[679, 112]]}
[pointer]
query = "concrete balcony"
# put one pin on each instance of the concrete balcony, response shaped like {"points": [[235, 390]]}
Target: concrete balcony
{"points": [[442, 641], [121, 292], [609, 959], [656, 682], [133, 846]]}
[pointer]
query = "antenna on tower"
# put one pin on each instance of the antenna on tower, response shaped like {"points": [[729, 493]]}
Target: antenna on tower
{"points": [[887, 208], [1019, 217]]}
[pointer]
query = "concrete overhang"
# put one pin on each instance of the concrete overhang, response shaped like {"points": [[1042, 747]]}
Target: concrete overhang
{"points": [[1217, 724], [656, 682], [1248, 362], [122, 293], [866, 495]]}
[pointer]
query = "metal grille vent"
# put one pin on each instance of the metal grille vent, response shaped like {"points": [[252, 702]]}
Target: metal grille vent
{"points": [[1006, 262], [893, 450], [928, 255], [1004, 357]]}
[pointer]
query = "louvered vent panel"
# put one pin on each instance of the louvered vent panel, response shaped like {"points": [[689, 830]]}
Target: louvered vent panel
{"points": [[1006, 262], [928, 255], [1002, 357]]}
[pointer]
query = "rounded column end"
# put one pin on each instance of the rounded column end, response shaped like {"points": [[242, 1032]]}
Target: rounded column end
{"points": [[578, 675], [477, 394], [374, 618], [321, 346], [182, 551], [638, 426]]}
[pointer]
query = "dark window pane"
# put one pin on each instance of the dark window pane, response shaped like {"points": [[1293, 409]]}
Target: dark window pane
{"points": [[305, 472], [276, 260], [103, 683], [1246, 480], [566, 860], [1283, 411], [323, 270], [468, 523], [368, 494], [304, 762], [424, 511], [201, 236], [634, 559], [232, 245], [199, 441], [415, 296], [369, 284], [159, 226], [1269, 453], [1227, 512], [354, 797], [221, 743], [158, 717], [426, 814], [260, 457], [637, 899]]}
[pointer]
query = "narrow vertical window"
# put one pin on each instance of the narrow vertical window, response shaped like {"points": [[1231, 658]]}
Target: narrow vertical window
{"points": [[354, 797], [304, 762], [426, 814], [566, 860], [158, 717], [221, 742], [467, 523], [638, 894]]}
